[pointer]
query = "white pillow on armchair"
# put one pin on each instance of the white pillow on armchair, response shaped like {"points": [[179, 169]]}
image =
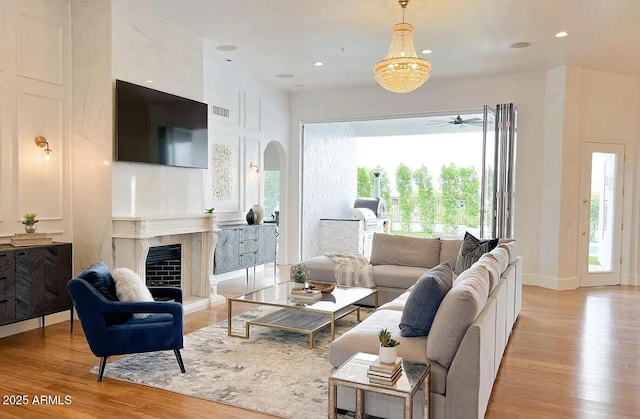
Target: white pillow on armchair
{"points": [[130, 287]]}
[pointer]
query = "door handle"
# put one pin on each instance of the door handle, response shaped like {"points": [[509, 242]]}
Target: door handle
{"points": [[584, 201], [584, 233]]}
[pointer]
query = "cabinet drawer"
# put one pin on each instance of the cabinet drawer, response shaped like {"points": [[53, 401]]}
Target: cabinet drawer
{"points": [[247, 259], [248, 246], [7, 310], [250, 233]]}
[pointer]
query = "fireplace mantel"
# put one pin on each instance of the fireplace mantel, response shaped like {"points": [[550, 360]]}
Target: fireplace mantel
{"points": [[133, 236]]}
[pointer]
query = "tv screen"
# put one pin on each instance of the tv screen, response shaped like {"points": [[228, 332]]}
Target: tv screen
{"points": [[159, 128]]}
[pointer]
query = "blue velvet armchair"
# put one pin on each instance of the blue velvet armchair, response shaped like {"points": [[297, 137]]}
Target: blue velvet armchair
{"points": [[109, 326]]}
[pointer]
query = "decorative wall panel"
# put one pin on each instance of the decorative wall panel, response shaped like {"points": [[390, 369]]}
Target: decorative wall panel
{"points": [[251, 112], [40, 185], [225, 171], [46, 39]]}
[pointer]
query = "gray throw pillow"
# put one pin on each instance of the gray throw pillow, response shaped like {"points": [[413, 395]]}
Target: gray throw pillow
{"points": [[424, 300], [471, 250]]}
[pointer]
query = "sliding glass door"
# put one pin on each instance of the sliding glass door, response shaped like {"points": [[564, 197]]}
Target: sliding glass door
{"points": [[498, 174]]}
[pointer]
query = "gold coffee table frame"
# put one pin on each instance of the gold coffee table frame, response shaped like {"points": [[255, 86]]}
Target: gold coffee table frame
{"points": [[301, 316]]}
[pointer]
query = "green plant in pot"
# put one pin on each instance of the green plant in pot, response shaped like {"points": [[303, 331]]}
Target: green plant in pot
{"points": [[388, 352], [30, 222], [300, 275]]}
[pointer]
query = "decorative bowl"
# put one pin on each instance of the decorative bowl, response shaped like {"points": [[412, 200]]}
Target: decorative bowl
{"points": [[324, 287]]}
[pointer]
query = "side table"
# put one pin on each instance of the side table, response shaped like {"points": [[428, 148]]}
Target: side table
{"points": [[353, 373]]}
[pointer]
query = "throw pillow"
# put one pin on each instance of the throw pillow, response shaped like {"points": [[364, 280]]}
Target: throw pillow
{"points": [[129, 287], [471, 250], [99, 276], [424, 300]]}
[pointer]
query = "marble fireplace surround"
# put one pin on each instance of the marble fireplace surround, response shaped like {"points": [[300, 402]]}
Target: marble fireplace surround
{"points": [[133, 236]]}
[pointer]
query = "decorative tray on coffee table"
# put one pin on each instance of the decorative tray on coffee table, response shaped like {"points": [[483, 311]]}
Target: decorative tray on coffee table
{"points": [[323, 287]]}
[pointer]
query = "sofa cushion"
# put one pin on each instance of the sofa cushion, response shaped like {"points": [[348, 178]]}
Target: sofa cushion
{"points": [[501, 255], [512, 249], [388, 249], [471, 250], [449, 249], [397, 303], [493, 266], [394, 276], [319, 268], [424, 300], [99, 276], [458, 310]]}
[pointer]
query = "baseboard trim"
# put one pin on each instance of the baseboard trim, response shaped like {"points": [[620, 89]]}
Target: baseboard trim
{"points": [[26, 325], [558, 284]]}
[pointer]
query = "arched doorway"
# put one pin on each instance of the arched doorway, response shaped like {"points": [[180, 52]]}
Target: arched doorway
{"points": [[274, 186]]}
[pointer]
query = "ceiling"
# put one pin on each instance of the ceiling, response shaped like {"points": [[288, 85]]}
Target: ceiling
{"points": [[468, 37]]}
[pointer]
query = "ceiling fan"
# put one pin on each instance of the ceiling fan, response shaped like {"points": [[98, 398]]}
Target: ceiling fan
{"points": [[457, 120]]}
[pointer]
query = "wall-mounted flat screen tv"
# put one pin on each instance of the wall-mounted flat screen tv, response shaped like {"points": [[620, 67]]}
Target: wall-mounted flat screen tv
{"points": [[159, 128]]}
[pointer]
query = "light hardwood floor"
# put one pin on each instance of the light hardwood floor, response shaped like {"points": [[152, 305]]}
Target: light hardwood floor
{"points": [[572, 354]]}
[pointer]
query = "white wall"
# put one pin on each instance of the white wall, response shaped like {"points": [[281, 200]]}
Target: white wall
{"points": [[329, 187], [92, 132]]}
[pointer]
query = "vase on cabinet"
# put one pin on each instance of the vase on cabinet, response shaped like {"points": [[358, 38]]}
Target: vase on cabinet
{"points": [[258, 210], [251, 217]]}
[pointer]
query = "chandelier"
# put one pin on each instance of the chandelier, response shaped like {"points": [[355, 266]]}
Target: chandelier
{"points": [[402, 71]]}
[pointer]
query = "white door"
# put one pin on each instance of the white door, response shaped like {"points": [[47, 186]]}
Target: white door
{"points": [[601, 214]]}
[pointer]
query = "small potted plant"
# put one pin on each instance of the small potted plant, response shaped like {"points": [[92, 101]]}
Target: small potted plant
{"points": [[388, 352], [300, 275], [30, 222]]}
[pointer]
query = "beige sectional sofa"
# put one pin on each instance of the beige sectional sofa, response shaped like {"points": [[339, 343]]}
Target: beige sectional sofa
{"points": [[398, 262], [468, 337]]}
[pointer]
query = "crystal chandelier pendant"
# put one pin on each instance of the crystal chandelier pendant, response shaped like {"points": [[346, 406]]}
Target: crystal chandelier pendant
{"points": [[402, 71]]}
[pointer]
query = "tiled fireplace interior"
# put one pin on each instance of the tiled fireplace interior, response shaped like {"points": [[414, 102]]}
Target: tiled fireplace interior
{"points": [[163, 266]]}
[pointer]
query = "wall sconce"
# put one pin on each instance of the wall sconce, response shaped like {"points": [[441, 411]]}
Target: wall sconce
{"points": [[254, 167], [43, 143]]}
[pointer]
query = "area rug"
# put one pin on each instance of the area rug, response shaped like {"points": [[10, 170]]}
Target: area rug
{"points": [[272, 372]]}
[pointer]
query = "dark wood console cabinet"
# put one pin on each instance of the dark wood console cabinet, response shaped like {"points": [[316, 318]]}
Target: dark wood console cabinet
{"points": [[244, 246], [33, 281]]}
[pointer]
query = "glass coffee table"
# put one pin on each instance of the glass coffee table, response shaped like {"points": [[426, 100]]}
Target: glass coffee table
{"points": [[301, 316]]}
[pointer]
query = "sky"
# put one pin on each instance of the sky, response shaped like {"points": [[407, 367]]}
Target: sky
{"points": [[435, 150]]}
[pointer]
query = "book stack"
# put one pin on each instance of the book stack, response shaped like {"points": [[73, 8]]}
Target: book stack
{"points": [[300, 294], [30, 239], [385, 374]]}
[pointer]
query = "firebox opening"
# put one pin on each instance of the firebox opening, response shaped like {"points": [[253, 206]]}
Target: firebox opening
{"points": [[163, 266]]}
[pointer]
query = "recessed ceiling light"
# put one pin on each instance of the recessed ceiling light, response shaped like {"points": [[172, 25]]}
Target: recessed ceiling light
{"points": [[299, 85], [561, 34], [318, 63], [520, 45], [149, 81], [226, 48], [285, 76], [426, 51]]}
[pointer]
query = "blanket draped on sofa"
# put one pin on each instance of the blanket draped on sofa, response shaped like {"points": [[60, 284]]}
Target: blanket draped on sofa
{"points": [[352, 270]]}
